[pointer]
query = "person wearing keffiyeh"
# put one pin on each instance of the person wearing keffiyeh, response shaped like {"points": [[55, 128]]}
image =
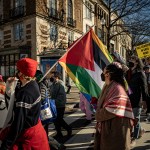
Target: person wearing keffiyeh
{"points": [[114, 114]]}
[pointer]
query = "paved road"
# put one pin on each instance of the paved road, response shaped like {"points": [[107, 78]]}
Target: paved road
{"points": [[82, 137], [144, 142]]}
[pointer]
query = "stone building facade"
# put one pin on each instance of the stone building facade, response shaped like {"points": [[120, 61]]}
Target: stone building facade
{"points": [[40, 29], [44, 29]]}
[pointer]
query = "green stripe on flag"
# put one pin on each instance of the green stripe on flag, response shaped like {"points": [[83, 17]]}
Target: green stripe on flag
{"points": [[86, 83]]}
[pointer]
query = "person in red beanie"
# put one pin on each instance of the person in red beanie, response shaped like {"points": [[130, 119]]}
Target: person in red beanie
{"points": [[26, 131]]}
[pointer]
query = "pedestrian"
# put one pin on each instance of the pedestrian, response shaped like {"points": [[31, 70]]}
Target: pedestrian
{"points": [[85, 106], [45, 91], [68, 85], [137, 82], [3, 109], [147, 72], [57, 92], [2, 85], [26, 131], [114, 113]]}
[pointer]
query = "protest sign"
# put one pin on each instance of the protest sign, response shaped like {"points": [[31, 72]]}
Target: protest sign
{"points": [[143, 50]]}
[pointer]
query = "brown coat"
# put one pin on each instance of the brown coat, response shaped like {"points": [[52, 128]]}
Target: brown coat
{"points": [[114, 131]]}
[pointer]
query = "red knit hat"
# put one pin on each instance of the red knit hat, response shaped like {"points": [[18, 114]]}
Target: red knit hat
{"points": [[27, 66]]}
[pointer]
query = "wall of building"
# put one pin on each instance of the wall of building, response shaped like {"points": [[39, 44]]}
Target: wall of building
{"points": [[43, 36], [87, 21], [78, 14]]}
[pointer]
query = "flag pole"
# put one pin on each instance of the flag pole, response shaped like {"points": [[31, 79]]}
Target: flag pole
{"points": [[65, 53]]}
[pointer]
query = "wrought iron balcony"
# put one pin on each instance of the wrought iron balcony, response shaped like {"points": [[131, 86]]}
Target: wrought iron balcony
{"points": [[71, 22], [17, 12]]}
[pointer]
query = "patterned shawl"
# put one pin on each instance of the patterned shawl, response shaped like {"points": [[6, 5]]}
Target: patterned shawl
{"points": [[115, 100]]}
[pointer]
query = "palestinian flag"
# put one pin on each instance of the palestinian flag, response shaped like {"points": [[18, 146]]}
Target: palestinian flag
{"points": [[84, 62]]}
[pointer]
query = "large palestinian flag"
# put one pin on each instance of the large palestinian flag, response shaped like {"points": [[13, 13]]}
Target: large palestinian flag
{"points": [[84, 62]]}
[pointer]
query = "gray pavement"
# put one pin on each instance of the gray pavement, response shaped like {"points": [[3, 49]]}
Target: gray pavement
{"points": [[144, 142]]}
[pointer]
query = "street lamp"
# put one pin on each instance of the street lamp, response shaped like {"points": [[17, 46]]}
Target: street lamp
{"points": [[103, 22]]}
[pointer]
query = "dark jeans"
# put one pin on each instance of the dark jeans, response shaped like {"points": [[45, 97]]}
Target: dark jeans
{"points": [[69, 88], [59, 122], [137, 127], [46, 128]]}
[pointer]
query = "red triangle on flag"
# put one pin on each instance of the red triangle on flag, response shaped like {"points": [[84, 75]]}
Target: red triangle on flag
{"points": [[81, 53]]}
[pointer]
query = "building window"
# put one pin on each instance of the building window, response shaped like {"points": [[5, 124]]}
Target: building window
{"points": [[70, 37], [8, 65], [53, 4], [19, 3], [99, 33], [122, 52], [112, 48], [18, 31], [105, 38], [53, 7], [53, 33], [87, 28], [88, 10], [70, 9]]}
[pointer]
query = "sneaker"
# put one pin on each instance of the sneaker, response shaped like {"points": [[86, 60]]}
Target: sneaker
{"points": [[148, 118], [133, 143]]}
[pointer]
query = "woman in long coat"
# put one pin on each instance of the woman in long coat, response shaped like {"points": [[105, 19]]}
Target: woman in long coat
{"points": [[114, 113]]}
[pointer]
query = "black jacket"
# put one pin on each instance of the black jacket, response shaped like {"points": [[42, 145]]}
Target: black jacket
{"points": [[58, 93], [26, 112], [137, 83]]}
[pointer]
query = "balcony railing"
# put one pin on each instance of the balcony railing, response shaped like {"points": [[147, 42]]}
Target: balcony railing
{"points": [[71, 22], [17, 12]]}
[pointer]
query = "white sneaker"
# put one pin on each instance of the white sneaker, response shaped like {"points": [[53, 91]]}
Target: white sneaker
{"points": [[148, 118]]}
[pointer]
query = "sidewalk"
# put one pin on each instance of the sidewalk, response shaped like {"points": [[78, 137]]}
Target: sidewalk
{"points": [[144, 142]]}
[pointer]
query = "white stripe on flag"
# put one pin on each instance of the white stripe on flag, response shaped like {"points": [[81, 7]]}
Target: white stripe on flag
{"points": [[96, 75]]}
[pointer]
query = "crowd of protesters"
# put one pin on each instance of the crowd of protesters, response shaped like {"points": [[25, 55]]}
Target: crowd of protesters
{"points": [[119, 107]]}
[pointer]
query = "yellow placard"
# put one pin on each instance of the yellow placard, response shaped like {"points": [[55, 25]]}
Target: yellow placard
{"points": [[143, 50]]}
